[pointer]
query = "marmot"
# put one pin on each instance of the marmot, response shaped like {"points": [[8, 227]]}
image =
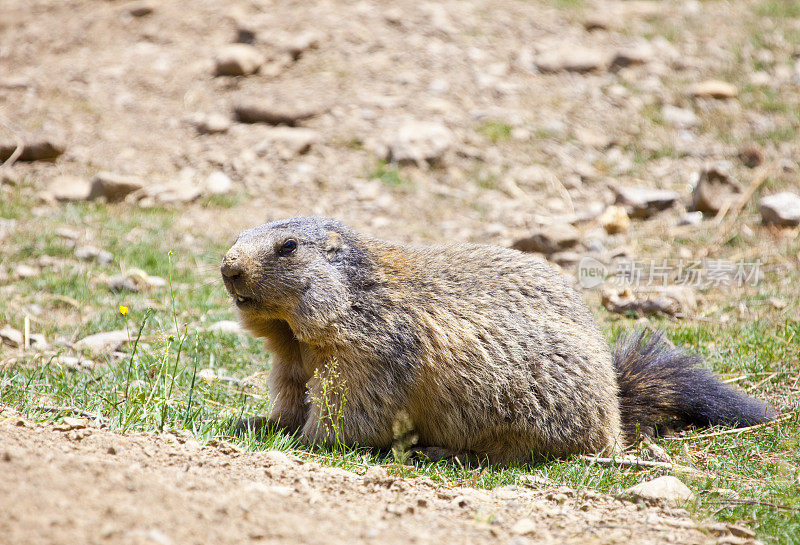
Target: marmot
{"points": [[488, 351]]}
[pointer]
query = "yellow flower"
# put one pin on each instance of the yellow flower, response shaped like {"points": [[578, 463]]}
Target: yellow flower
{"points": [[123, 310]]}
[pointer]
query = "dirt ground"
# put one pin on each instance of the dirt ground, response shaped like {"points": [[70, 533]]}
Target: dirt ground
{"points": [[77, 483]]}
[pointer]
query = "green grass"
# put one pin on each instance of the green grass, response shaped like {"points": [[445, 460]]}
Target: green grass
{"points": [[163, 382], [388, 174], [779, 8], [496, 131]]}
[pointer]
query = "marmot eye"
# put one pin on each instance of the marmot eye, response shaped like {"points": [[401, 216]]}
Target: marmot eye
{"points": [[288, 247]]}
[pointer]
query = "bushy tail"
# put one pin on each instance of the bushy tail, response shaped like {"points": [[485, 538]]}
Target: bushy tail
{"points": [[661, 384]]}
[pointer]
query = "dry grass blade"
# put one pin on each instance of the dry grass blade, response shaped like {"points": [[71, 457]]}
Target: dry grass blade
{"points": [[736, 431]]}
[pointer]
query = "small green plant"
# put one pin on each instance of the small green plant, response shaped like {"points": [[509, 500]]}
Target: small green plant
{"points": [[496, 131], [404, 438], [388, 174], [330, 397], [779, 8]]}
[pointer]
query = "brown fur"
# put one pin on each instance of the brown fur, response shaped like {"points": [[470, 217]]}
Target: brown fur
{"points": [[487, 350]]}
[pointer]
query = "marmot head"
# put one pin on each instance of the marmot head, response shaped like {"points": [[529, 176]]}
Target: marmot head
{"points": [[300, 270]]}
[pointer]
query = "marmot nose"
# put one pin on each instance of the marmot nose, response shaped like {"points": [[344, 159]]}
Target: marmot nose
{"points": [[230, 268]]}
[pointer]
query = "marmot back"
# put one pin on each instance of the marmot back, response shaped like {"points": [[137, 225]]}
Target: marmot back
{"points": [[486, 350]]}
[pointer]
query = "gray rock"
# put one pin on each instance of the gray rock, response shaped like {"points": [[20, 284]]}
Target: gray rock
{"points": [[113, 187], [273, 114], [213, 124], [23, 271], [751, 155], [549, 240], [89, 252], [377, 475], [419, 142], [11, 337], [691, 218], [713, 89], [105, 341], [238, 60], [288, 141], [68, 233], [780, 209], [615, 219], [572, 59], [140, 9], [301, 43], [634, 55], [135, 280], [714, 190], [680, 118], [667, 489], [525, 527], [36, 150], [218, 183], [643, 202], [69, 188]]}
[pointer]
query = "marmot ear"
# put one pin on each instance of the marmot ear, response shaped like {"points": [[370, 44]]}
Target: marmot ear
{"points": [[333, 246]]}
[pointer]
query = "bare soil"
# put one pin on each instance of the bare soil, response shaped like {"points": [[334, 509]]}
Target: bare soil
{"points": [[66, 483]]}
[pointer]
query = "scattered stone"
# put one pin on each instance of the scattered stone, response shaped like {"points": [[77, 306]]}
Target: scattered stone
{"points": [[245, 34], [667, 489], [691, 218], [140, 9], [69, 188], [11, 337], [724, 493], [38, 341], [713, 89], [75, 362], [212, 124], [23, 271], [638, 54], [524, 527], [377, 475], [68, 233], [751, 155], [272, 114], [549, 240], [781, 209], [113, 187], [238, 60], [218, 183], [595, 22], [671, 302], [69, 423], [276, 457], [106, 341], [714, 190], [419, 142], [288, 141], [643, 202], [680, 118], [614, 220], [777, 302], [37, 150], [135, 280], [301, 43], [225, 326], [572, 59], [653, 451], [89, 252], [741, 531]]}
